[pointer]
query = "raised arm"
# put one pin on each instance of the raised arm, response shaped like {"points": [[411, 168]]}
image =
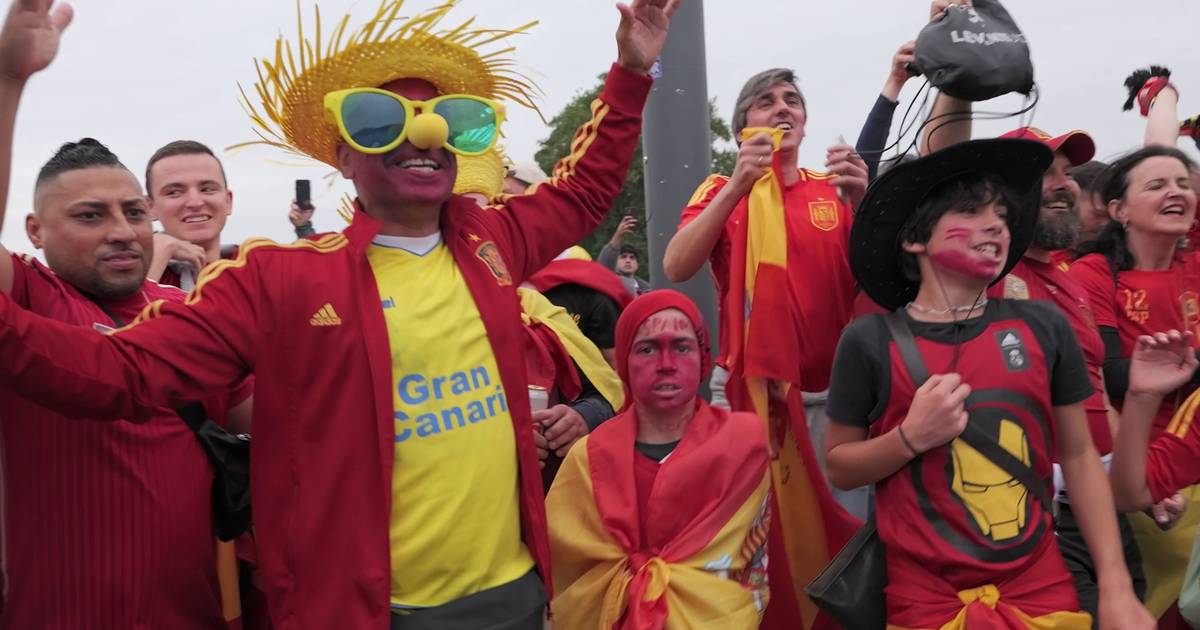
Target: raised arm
{"points": [[556, 214], [611, 251], [28, 43], [872, 139], [1157, 99], [950, 121]]}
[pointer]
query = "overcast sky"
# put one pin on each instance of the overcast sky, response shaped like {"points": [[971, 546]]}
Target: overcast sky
{"points": [[137, 74]]}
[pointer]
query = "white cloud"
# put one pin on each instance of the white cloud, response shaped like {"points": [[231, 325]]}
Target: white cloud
{"points": [[136, 74]]}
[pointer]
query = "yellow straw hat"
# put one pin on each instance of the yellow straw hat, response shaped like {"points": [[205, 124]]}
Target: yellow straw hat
{"points": [[292, 86]]}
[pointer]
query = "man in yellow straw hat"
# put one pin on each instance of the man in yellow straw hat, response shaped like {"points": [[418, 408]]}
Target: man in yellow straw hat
{"points": [[395, 477]]}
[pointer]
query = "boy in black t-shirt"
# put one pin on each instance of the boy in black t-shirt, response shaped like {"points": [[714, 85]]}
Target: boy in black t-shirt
{"points": [[966, 540]]}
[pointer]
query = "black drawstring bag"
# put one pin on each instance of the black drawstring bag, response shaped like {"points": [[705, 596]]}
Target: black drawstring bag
{"points": [[975, 53], [230, 458]]}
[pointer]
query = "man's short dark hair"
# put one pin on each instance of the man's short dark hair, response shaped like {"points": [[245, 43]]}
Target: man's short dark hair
{"points": [[973, 190], [181, 147], [628, 249], [74, 156], [758, 84]]}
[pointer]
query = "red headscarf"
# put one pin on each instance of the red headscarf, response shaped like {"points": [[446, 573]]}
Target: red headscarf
{"points": [[642, 309]]}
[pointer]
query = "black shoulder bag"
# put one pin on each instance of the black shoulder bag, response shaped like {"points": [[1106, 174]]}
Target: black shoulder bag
{"points": [[230, 458], [851, 588]]}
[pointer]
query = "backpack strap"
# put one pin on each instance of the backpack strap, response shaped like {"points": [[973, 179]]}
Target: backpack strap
{"points": [[902, 334]]}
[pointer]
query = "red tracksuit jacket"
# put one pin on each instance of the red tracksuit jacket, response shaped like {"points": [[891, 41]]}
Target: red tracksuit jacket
{"points": [[323, 428]]}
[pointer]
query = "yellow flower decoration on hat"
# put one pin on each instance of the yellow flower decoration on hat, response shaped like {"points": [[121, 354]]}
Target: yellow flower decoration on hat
{"points": [[292, 86]]}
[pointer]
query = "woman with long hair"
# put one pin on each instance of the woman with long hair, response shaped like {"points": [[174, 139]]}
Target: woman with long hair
{"points": [[1141, 277], [1138, 278]]}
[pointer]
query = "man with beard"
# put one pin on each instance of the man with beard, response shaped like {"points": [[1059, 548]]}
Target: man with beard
{"points": [[1041, 276], [77, 482]]}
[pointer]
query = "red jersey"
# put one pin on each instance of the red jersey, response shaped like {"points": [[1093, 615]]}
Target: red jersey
{"points": [[106, 524], [952, 520], [1173, 460], [1142, 303], [1035, 280], [821, 285]]}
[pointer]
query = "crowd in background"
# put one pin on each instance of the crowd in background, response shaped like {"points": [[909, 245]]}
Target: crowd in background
{"points": [[979, 354]]}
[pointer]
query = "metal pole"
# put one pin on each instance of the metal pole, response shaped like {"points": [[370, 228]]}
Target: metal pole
{"points": [[678, 149]]}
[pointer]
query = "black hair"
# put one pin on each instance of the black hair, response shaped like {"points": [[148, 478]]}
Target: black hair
{"points": [[181, 147], [74, 156], [959, 194], [1088, 176], [628, 249], [1113, 183]]}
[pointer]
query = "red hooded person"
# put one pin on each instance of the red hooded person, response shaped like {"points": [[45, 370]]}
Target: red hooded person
{"points": [[659, 518]]}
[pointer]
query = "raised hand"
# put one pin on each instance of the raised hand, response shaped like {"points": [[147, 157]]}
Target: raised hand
{"points": [[939, 7], [29, 39], [300, 216], [851, 172], [1161, 363], [642, 32], [627, 225], [901, 71]]}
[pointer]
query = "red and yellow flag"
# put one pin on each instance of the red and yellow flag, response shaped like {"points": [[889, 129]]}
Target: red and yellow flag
{"points": [[764, 348], [693, 561]]}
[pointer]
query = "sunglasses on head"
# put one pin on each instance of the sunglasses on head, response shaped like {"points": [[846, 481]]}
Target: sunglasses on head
{"points": [[376, 121]]}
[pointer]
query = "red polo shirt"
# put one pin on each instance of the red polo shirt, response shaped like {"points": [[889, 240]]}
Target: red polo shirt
{"points": [[822, 287]]}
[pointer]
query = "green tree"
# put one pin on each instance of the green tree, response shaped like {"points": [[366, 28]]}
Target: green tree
{"points": [[632, 199]]}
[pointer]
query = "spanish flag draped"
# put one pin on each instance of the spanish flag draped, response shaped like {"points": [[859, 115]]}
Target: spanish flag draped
{"points": [[1041, 597], [764, 348], [690, 561]]}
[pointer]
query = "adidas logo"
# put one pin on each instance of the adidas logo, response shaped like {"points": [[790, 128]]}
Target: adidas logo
{"points": [[1010, 340], [326, 317]]}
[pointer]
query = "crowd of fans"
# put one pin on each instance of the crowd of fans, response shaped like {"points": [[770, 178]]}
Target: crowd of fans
{"points": [[979, 358]]}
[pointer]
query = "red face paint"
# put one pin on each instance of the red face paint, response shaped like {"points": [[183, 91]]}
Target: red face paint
{"points": [[961, 262], [664, 362], [955, 253], [958, 233]]}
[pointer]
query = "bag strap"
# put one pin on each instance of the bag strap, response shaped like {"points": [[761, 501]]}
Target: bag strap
{"points": [[193, 415], [907, 345], [897, 324]]}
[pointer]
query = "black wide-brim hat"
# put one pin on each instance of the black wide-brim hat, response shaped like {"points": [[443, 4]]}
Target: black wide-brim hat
{"points": [[892, 199]]}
